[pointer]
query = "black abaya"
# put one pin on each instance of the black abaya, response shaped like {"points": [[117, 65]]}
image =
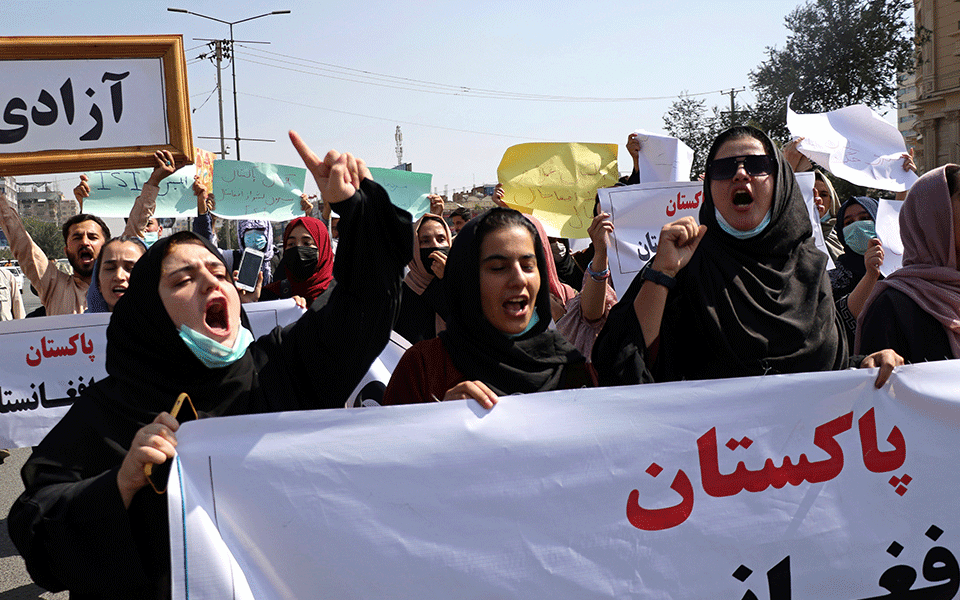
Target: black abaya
{"points": [[70, 524]]}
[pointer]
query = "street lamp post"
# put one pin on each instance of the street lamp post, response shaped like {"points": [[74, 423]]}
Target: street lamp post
{"points": [[233, 62]]}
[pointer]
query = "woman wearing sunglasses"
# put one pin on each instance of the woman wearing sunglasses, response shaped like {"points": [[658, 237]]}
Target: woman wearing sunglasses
{"points": [[743, 293]]}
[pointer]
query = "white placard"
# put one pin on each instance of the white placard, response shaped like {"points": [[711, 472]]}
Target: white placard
{"points": [[663, 158], [81, 104], [802, 486], [888, 230], [639, 212], [854, 143]]}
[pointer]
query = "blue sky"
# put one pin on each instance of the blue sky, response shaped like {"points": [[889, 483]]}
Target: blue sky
{"points": [[612, 50]]}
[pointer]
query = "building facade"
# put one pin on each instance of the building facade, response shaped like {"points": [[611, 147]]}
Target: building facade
{"points": [[937, 83], [41, 201], [906, 110]]}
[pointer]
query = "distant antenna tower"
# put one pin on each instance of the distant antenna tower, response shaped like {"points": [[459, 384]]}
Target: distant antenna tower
{"points": [[399, 138]]}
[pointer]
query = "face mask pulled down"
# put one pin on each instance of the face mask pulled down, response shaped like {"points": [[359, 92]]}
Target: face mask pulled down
{"points": [[211, 353]]}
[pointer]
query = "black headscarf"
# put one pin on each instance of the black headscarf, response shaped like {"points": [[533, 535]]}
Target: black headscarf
{"points": [[538, 360], [148, 363], [850, 268], [748, 307]]}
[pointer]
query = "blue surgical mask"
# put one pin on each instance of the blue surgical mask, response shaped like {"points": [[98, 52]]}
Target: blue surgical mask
{"points": [[533, 321], [212, 353], [150, 237], [254, 238], [858, 234], [742, 235], [826, 217]]}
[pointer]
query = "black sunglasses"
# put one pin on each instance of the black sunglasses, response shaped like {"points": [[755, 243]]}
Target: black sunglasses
{"points": [[754, 164]]}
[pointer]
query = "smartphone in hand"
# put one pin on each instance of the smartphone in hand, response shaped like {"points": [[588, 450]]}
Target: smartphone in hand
{"points": [[250, 265]]}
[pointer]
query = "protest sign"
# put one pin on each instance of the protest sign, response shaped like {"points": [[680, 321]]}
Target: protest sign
{"points": [[46, 362], [81, 103], [854, 143], [815, 485], [557, 183], [888, 230], [257, 190], [407, 190], [203, 162], [639, 212], [663, 158], [113, 192]]}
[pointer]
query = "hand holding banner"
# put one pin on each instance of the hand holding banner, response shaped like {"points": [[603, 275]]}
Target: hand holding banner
{"points": [[720, 489]]}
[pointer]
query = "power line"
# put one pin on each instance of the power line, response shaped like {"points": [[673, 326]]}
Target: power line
{"points": [[330, 71], [353, 114]]}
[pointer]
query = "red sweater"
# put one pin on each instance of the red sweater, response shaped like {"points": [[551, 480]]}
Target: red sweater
{"points": [[424, 374]]}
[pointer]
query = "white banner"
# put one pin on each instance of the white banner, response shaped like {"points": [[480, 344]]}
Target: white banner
{"points": [[797, 486], [639, 212], [46, 362]]}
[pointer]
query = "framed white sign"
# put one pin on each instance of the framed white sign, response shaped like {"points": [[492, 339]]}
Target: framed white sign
{"points": [[88, 103]]}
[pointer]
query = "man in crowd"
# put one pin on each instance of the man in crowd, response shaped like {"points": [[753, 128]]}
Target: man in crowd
{"points": [[152, 232], [11, 304], [458, 219], [60, 293], [141, 222]]}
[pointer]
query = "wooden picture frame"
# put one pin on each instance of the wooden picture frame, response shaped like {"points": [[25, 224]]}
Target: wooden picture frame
{"points": [[176, 100]]}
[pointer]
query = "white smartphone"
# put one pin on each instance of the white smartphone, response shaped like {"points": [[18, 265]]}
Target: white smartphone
{"points": [[250, 265]]}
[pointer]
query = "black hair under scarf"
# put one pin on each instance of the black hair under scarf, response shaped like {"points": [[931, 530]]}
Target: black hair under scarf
{"points": [[535, 361], [746, 307]]}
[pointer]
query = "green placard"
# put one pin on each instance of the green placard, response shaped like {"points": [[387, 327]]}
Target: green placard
{"points": [[257, 190], [112, 193], [407, 190]]}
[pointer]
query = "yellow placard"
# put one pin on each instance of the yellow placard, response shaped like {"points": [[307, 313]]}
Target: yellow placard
{"points": [[557, 182], [203, 160]]}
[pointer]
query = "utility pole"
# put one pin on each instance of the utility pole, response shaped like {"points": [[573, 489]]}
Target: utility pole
{"points": [[233, 66], [219, 57], [734, 113]]}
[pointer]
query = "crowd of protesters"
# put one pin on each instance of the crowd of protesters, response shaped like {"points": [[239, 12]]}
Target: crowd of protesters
{"points": [[492, 306]]}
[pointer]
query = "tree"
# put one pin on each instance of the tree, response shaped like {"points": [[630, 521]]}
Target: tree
{"points": [[46, 235], [688, 121], [840, 52]]}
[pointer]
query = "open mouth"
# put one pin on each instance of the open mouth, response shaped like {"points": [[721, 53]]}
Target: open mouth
{"points": [[119, 290], [86, 257], [516, 307], [216, 316], [742, 198]]}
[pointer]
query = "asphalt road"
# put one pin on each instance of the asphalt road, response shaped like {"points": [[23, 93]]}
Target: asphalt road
{"points": [[15, 584], [30, 300]]}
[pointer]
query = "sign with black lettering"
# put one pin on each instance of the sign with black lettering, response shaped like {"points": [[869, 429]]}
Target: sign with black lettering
{"points": [[72, 104]]}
